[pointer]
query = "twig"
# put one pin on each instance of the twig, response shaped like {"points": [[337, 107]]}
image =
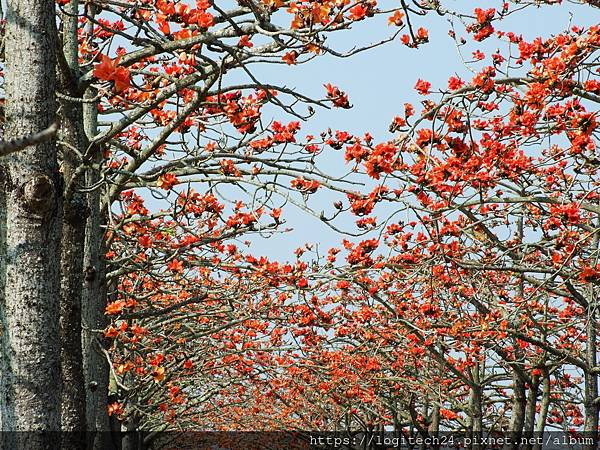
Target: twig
{"points": [[8, 147]]}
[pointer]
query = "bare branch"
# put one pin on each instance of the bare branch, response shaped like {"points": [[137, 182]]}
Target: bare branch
{"points": [[12, 146]]}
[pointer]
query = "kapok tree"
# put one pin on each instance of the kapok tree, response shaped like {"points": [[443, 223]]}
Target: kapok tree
{"points": [[435, 191], [149, 106], [181, 119], [498, 178], [145, 102]]}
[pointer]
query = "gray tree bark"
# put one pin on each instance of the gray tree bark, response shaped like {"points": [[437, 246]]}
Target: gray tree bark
{"points": [[3, 325], [530, 411], [30, 340], [591, 408], [73, 236], [519, 404], [94, 301], [476, 409], [590, 404], [540, 423], [96, 370]]}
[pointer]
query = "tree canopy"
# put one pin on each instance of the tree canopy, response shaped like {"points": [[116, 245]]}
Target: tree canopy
{"points": [[460, 294]]}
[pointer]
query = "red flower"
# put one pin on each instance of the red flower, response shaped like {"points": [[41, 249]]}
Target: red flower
{"points": [[589, 274], [111, 332], [447, 414], [396, 19], [163, 25], [276, 213], [109, 70], [423, 87], [478, 55], [205, 20], [145, 241], [308, 186], [167, 181], [290, 57], [115, 307], [358, 12], [115, 408], [302, 283], [338, 98], [245, 41], [175, 266], [422, 35], [455, 83]]}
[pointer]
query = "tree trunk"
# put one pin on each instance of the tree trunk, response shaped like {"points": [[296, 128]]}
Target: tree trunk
{"points": [[475, 410], [3, 325], [434, 424], [530, 411], [94, 299], [540, 423], [591, 380], [591, 406], [73, 237], [30, 347], [96, 368], [519, 403]]}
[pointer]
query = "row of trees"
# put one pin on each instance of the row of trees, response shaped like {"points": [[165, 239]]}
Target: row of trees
{"points": [[463, 298]]}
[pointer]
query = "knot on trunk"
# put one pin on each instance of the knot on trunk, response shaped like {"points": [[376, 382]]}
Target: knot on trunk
{"points": [[76, 211], [90, 274], [39, 194]]}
